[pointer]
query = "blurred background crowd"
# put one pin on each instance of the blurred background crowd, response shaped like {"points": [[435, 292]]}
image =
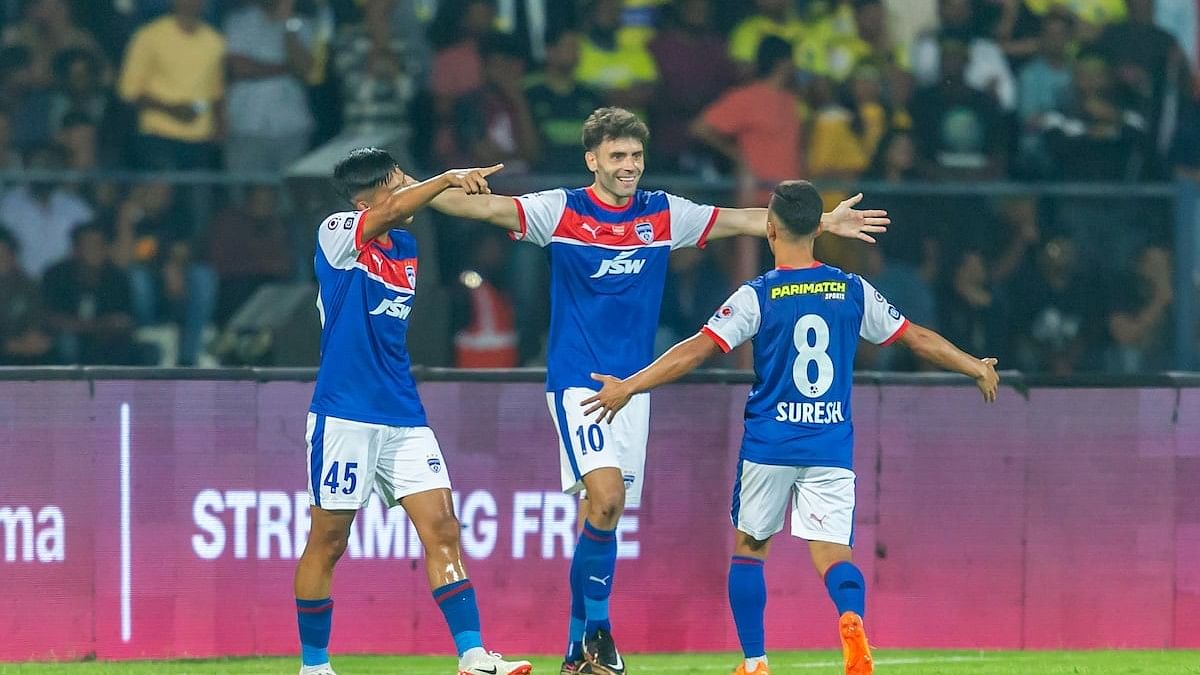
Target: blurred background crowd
{"points": [[148, 150]]}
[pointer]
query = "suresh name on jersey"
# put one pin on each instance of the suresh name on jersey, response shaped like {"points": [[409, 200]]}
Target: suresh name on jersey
{"points": [[608, 268], [805, 324], [365, 299]]}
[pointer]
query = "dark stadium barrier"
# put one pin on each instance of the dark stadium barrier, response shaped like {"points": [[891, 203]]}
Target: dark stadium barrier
{"points": [[159, 513]]}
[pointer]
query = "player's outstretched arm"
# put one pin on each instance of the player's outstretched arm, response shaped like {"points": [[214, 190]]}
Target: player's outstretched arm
{"points": [[402, 203], [679, 360], [843, 221], [934, 348], [498, 210]]}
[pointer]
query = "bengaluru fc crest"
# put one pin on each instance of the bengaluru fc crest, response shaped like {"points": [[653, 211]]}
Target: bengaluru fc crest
{"points": [[645, 232], [411, 272]]}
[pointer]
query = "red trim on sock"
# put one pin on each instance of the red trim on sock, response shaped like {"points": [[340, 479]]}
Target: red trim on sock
{"points": [[595, 537], [451, 594], [315, 610]]}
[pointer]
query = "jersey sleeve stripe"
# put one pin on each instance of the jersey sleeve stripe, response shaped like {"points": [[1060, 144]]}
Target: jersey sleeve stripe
{"points": [[518, 236], [896, 336], [712, 334], [708, 228]]}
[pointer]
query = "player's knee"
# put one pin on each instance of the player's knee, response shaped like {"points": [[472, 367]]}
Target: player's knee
{"points": [[329, 546], [606, 510], [444, 531]]}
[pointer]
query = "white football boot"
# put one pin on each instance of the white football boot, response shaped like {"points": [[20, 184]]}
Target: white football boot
{"points": [[480, 662]]}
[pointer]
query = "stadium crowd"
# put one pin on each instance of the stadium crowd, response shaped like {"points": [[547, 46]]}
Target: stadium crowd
{"points": [[840, 91]]}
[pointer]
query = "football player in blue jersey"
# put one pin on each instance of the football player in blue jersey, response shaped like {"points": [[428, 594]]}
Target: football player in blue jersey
{"points": [[805, 319], [366, 427], [608, 247]]}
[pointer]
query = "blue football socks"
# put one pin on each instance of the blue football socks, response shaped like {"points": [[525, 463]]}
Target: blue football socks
{"points": [[847, 588], [457, 602], [578, 621], [315, 618], [597, 550], [748, 600]]}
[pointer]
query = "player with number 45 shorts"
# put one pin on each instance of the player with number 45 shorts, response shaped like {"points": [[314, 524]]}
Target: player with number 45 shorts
{"points": [[366, 427], [805, 319]]}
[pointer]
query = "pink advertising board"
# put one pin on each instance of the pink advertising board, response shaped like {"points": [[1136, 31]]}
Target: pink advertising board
{"points": [[163, 518]]}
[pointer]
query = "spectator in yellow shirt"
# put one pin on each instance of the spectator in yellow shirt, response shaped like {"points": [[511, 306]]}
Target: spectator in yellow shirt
{"points": [[615, 60], [844, 137], [174, 74]]}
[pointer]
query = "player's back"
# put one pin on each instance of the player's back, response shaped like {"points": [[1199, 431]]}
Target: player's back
{"points": [[799, 411], [365, 299]]}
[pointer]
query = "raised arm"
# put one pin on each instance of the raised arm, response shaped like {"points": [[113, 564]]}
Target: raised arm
{"points": [[843, 221], [679, 360], [498, 210], [403, 202], [934, 348]]}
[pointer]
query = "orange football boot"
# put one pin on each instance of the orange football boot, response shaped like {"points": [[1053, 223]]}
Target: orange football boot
{"points": [[855, 650], [762, 669]]}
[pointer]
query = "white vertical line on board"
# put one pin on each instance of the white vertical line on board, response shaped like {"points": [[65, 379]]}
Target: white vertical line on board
{"points": [[126, 548]]}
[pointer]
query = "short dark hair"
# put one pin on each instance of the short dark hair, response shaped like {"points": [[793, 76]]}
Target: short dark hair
{"points": [[362, 169], [796, 207], [610, 124], [771, 51]]}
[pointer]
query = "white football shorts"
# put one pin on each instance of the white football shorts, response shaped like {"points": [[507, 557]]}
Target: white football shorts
{"points": [[821, 499], [585, 445], [347, 459]]}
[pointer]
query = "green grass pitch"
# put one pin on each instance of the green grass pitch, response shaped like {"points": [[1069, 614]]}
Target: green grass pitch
{"points": [[818, 663]]}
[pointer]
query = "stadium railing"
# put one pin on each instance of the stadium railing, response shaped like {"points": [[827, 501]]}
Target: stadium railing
{"points": [[1115, 208]]}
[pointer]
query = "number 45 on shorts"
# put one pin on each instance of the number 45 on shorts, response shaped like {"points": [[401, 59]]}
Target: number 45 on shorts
{"points": [[349, 476]]}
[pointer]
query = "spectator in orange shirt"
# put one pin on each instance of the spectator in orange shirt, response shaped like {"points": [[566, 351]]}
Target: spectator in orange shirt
{"points": [[757, 126]]}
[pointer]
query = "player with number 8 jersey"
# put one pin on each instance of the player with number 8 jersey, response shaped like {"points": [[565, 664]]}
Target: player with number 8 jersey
{"points": [[805, 319], [608, 247]]}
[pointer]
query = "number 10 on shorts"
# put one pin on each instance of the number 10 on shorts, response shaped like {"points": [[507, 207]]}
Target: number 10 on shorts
{"points": [[349, 475], [592, 438]]}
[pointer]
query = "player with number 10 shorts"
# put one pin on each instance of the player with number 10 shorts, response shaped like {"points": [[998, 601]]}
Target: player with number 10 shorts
{"points": [[608, 246]]}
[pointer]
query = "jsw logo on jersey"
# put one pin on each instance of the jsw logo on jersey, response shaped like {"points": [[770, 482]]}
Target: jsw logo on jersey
{"points": [[623, 263], [396, 307]]}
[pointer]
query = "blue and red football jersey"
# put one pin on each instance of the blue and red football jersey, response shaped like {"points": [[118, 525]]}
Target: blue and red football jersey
{"points": [[805, 324], [365, 298], [608, 268]]}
